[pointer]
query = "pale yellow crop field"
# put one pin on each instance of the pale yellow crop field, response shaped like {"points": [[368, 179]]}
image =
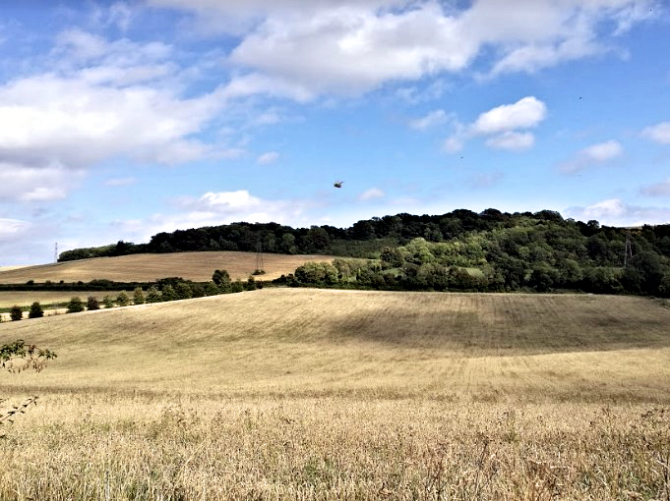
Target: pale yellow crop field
{"points": [[317, 394], [196, 266], [26, 298]]}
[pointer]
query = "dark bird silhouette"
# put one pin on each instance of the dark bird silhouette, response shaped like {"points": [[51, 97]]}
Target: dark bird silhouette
{"points": [[338, 184]]}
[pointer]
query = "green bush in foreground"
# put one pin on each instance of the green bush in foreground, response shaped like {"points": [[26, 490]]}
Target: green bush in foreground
{"points": [[75, 305], [15, 313], [36, 310], [92, 303]]}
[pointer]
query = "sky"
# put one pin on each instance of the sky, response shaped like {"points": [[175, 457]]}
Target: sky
{"points": [[119, 120]]}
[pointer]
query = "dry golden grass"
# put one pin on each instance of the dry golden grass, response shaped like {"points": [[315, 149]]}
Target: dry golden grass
{"points": [[8, 268], [196, 266], [308, 394], [26, 298]]}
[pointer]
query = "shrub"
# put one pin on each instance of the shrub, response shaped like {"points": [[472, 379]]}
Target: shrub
{"points": [[222, 280], [168, 293], [16, 313], [211, 289], [108, 302], [75, 305], [138, 296], [153, 296], [237, 286], [123, 299], [36, 310], [198, 290], [251, 284], [92, 303], [183, 291]]}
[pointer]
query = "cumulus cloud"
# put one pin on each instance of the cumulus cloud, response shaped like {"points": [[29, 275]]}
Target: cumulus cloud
{"points": [[371, 194], [268, 158], [513, 141], [351, 47], [432, 119], [215, 208], [592, 156], [615, 212], [501, 126], [659, 133], [102, 102], [524, 114]]}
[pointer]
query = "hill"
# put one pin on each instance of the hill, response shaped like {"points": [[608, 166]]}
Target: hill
{"points": [[150, 267], [312, 342], [321, 394]]}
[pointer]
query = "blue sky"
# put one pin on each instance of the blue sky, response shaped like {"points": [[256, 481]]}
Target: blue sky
{"points": [[122, 119]]}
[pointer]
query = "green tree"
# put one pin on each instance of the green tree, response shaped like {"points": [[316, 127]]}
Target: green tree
{"points": [[36, 310], [75, 305], [237, 286], [16, 313], [183, 291], [108, 302], [251, 284], [198, 290], [153, 296], [123, 299], [138, 296], [92, 304], [168, 293], [211, 289], [222, 280]]}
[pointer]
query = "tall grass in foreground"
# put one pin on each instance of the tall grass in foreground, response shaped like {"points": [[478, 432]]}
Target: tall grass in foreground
{"points": [[118, 447]]}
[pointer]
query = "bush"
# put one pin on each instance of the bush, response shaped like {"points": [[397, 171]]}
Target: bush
{"points": [[16, 313], [198, 290], [123, 299], [183, 291], [251, 284], [108, 302], [36, 310], [75, 305], [92, 304], [138, 296], [153, 296], [211, 289], [237, 286], [168, 293], [222, 280]]}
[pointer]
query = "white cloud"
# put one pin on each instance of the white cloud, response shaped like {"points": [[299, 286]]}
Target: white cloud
{"points": [[432, 119], [661, 189], [268, 158], [103, 101], [501, 126], [354, 46], [526, 113], [615, 212], [216, 208], [591, 156], [659, 133], [36, 184], [120, 181], [371, 194], [12, 228], [513, 141]]}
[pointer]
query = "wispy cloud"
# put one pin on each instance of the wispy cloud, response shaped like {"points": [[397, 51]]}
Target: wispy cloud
{"points": [[592, 156], [268, 158], [371, 194]]}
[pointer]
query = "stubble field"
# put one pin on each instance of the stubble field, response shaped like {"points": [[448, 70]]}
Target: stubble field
{"points": [[196, 266], [306, 394]]}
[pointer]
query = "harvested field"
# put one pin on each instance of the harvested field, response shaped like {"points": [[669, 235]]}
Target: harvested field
{"points": [[313, 394], [26, 298], [196, 266]]}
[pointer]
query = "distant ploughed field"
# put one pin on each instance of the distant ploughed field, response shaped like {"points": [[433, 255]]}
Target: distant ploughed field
{"points": [[196, 266]]}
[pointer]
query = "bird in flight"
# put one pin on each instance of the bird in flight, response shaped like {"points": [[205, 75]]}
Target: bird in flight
{"points": [[338, 184]]}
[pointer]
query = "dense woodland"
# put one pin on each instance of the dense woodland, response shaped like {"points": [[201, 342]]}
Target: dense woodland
{"points": [[460, 250]]}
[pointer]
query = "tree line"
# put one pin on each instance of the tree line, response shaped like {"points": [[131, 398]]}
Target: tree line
{"points": [[166, 289]]}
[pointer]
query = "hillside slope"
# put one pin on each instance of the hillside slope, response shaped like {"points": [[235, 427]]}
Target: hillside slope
{"points": [[391, 345], [196, 266]]}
